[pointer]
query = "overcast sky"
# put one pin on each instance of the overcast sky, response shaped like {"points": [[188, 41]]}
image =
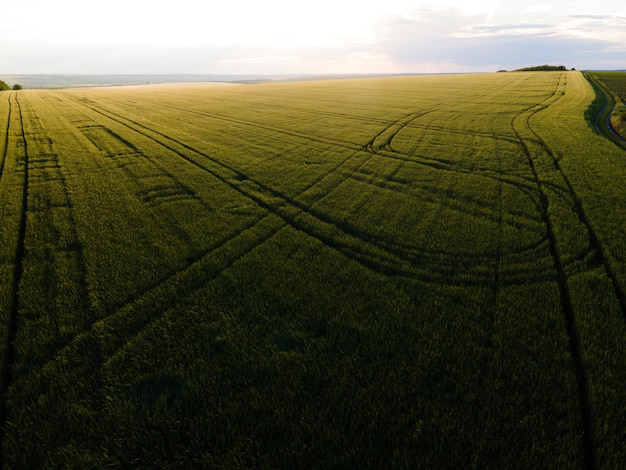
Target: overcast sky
{"points": [[303, 37]]}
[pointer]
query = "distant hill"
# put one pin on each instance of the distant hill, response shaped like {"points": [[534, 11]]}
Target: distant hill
{"points": [[75, 81], [543, 68]]}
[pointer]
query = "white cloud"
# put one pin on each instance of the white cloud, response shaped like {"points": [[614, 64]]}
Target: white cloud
{"points": [[189, 36], [540, 8]]}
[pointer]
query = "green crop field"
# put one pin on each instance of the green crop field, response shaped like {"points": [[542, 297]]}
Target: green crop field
{"points": [[407, 272], [613, 86], [616, 81]]}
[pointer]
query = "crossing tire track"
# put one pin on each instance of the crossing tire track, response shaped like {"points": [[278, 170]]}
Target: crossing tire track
{"points": [[588, 439], [370, 251], [594, 241], [272, 129], [46, 175], [308, 111], [192, 280], [395, 255]]}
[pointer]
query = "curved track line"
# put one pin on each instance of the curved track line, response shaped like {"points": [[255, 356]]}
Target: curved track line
{"points": [[566, 301], [273, 129], [191, 267], [199, 257], [331, 242], [386, 257], [584, 219]]}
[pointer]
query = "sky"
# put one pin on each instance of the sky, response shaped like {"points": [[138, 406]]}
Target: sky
{"points": [[308, 36]]}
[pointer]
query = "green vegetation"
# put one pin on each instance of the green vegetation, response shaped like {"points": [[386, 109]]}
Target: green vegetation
{"points": [[415, 272], [615, 84], [544, 68], [609, 110], [5, 87]]}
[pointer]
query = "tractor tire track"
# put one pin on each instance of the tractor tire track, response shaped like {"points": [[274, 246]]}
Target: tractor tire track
{"points": [[381, 256], [594, 241], [163, 295], [193, 275], [274, 105], [9, 354], [374, 266], [407, 122], [476, 133], [386, 150], [561, 279], [399, 253], [126, 323], [55, 222], [375, 262], [112, 338], [388, 133], [524, 184], [162, 284], [396, 126], [400, 123], [6, 138], [272, 129], [256, 195]]}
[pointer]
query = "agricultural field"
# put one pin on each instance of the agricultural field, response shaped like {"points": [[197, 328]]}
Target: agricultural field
{"points": [[616, 81], [408, 272], [615, 84]]}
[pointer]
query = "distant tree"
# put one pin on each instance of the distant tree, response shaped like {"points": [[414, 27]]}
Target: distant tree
{"points": [[17, 86], [4, 86], [543, 68]]}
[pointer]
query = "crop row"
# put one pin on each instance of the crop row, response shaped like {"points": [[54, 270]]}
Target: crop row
{"points": [[616, 81]]}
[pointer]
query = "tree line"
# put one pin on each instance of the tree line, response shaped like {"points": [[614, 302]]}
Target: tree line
{"points": [[4, 86], [544, 68]]}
